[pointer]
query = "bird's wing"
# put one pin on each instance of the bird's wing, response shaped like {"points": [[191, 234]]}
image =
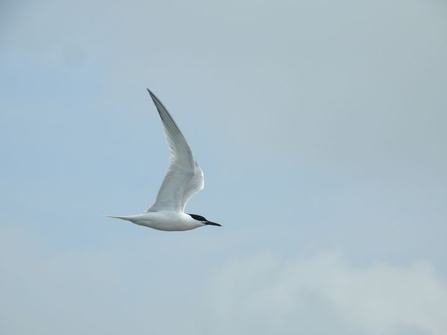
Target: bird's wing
{"points": [[184, 177]]}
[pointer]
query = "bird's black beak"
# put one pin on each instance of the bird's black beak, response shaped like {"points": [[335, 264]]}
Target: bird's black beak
{"points": [[212, 223]]}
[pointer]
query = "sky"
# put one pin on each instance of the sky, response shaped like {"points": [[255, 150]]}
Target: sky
{"points": [[320, 127]]}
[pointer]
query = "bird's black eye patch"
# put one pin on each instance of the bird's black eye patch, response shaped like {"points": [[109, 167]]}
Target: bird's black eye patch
{"points": [[197, 217]]}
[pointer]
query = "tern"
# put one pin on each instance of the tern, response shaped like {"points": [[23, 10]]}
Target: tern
{"points": [[183, 179]]}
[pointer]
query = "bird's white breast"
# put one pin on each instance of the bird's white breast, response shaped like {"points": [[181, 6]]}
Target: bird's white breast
{"points": [[166, 221]]}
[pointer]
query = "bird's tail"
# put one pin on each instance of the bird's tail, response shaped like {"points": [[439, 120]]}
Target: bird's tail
{"points": [[127, 218]]}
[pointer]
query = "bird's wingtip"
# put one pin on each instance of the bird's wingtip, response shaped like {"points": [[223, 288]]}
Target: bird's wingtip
{"points": [[152, 95]]}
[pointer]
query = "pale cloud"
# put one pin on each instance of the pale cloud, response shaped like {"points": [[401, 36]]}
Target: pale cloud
{"points": [[329, 295], [147, 286]]}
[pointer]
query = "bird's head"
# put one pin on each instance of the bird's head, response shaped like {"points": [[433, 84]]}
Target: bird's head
{"points": [[203, 220]]}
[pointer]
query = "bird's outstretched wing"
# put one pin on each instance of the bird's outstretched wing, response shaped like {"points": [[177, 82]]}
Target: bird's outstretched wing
{"points": [[184, 177]]}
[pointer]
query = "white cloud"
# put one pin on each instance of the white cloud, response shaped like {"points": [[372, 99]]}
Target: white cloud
{"points": [[146, 285], [327, 294]]}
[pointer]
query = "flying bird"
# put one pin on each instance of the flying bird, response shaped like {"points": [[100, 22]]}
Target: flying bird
{"points": [[183, 179]]}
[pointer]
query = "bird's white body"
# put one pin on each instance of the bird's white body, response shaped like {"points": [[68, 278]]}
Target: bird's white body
{"points": [[183, 179], [163, 220]]}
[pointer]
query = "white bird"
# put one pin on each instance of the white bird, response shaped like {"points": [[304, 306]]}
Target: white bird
{"points": [[183, 179]]}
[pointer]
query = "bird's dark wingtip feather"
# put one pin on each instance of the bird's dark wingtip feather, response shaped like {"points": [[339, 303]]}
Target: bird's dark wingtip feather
{"points": [[153, 96]]}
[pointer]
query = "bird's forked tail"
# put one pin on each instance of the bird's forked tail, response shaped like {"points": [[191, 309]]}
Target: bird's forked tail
{"points": [[127, 218]]}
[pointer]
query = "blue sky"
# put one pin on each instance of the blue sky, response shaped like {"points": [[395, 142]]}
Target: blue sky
{"points": [[320, 127]]}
